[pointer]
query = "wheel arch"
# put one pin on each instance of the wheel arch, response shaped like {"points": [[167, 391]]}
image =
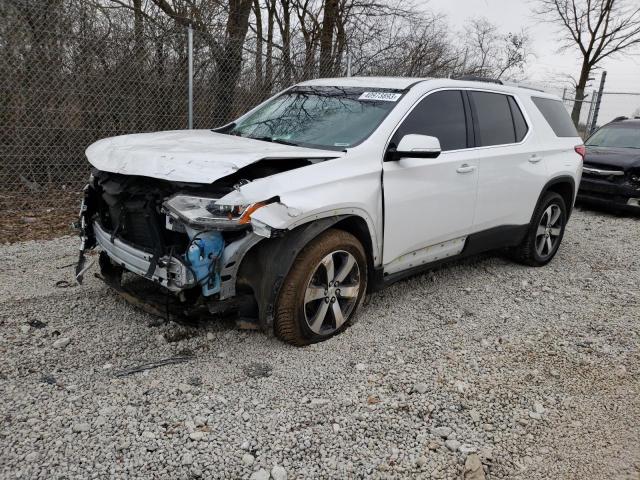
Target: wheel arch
{"points": [[262, 277], [565, 186]]}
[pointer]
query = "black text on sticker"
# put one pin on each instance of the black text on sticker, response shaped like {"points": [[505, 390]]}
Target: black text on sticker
{"points": [[380, 96]]}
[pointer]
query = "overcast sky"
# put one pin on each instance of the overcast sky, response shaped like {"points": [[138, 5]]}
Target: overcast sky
{"points": [[548, 66]]}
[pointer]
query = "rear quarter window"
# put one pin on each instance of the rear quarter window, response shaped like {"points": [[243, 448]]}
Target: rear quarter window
{"points": [[556, 116]]}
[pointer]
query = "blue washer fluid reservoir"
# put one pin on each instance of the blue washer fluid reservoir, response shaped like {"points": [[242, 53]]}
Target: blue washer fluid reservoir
{"points": [[203, 256]]}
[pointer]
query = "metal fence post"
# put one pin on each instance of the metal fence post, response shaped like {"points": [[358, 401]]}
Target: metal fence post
{"points": [[596, 111], [592, 106], [190, 55]]}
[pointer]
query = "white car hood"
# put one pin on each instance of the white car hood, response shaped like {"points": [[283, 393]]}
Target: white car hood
{"points": [[193, 156]]}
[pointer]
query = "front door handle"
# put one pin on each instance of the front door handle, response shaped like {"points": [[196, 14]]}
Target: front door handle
{"points": [[465, 168], [534, 158]]}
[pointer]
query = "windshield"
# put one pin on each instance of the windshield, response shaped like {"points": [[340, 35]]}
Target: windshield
{"points": [[623, 137], [321, 117]]}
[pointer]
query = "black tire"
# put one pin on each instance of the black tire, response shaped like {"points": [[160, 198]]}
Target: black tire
{"points": [[292, 313], [528, 252]]}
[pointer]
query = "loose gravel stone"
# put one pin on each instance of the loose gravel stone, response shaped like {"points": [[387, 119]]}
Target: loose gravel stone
{"points": [[261, 474], [472, 347], [61, 342], [421, 387], [197, 436], [473, 469], [81, 427], [443, 432], [474, 415], [465, 449], [278, 473], [452, 445]]}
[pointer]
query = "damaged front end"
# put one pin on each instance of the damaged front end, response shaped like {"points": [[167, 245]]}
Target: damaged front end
{"points": [[172, 234]]}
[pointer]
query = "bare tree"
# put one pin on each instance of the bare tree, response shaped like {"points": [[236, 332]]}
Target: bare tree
{"points": [[599, 28], [227, 50], [490, 53]]}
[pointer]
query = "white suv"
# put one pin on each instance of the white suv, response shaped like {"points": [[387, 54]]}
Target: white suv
{"points": [[334, 187]]}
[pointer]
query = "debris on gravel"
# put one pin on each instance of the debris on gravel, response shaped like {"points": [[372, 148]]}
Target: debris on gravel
{"points": [[480, 370]]}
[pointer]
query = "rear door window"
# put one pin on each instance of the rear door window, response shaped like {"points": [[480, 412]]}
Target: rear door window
{"points": [[439, 115], [556, 116], [494, 118]]}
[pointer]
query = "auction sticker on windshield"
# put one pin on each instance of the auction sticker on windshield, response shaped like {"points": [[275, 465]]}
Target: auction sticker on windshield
{"points": [[380, 96]]}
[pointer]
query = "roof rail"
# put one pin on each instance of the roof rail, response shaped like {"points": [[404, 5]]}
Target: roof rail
{"points": [[619, 119], [524, 85], [473, 78]]}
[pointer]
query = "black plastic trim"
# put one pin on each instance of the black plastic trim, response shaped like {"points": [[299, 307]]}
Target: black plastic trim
{"points": [[266, 265], [471, 135]]}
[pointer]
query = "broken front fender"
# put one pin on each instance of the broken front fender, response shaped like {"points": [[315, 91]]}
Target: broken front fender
{"points": [[265, 267]]}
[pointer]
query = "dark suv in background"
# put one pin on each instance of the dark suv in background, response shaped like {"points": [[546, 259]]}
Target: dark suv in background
{"points": [[611, 173]]}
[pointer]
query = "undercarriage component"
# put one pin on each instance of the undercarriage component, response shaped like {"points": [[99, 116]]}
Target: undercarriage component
{"points": [[160, 303], [168, 271]]}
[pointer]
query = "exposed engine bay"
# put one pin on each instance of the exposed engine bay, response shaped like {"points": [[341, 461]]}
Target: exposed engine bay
{"points": [[174, 235]]}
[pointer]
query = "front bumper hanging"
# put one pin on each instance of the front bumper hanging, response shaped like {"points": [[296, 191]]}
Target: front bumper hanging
{"points": [[169, 271]]}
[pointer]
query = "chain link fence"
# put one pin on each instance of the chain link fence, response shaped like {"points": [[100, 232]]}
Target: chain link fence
{"points": [[69, 77], [62, 89], [596, 112], [65, 84]]}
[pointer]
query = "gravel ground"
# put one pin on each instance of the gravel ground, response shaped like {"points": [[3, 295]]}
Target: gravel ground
{"points": [[485, 366]]}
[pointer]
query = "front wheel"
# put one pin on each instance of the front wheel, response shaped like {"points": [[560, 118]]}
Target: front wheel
{"points": [[545, 232], [326, 285]]}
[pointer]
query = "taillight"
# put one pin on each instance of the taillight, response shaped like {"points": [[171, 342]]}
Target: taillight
{"points": [[581, 150]]}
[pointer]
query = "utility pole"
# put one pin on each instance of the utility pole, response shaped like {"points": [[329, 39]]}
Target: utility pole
{"points": [[598, 102]]}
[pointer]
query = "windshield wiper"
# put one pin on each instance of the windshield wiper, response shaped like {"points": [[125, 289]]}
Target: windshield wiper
{"points": [[275, 140]]}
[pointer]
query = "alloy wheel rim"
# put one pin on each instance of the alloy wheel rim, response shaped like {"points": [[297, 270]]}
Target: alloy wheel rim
{"points": [[549, 231], [332, 292]]}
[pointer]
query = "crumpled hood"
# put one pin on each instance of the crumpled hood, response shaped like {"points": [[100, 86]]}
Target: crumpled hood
{"points": [[623, 158], [192, 156]]}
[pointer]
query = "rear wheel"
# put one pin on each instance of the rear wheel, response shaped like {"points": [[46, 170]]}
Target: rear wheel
{"points": [[323, 290], [545, 232]]}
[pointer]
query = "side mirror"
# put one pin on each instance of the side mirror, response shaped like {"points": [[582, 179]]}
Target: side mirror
{"points": [[417, 146]]}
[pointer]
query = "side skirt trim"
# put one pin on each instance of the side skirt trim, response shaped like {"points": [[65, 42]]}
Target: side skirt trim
{"points": [[492, 239]]}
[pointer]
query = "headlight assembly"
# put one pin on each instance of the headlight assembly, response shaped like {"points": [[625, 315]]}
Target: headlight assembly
{"points": [[202, 212]]}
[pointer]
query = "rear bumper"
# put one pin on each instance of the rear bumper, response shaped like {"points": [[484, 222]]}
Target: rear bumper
{"points": [[169, 272]]}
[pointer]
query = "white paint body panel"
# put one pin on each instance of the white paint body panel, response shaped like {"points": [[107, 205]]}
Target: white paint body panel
{"points": [[199, 156], [427, 201], [429, 208]]}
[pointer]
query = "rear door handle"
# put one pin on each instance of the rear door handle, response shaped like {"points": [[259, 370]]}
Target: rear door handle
{"points": [[465, 168], [534, 158]]}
